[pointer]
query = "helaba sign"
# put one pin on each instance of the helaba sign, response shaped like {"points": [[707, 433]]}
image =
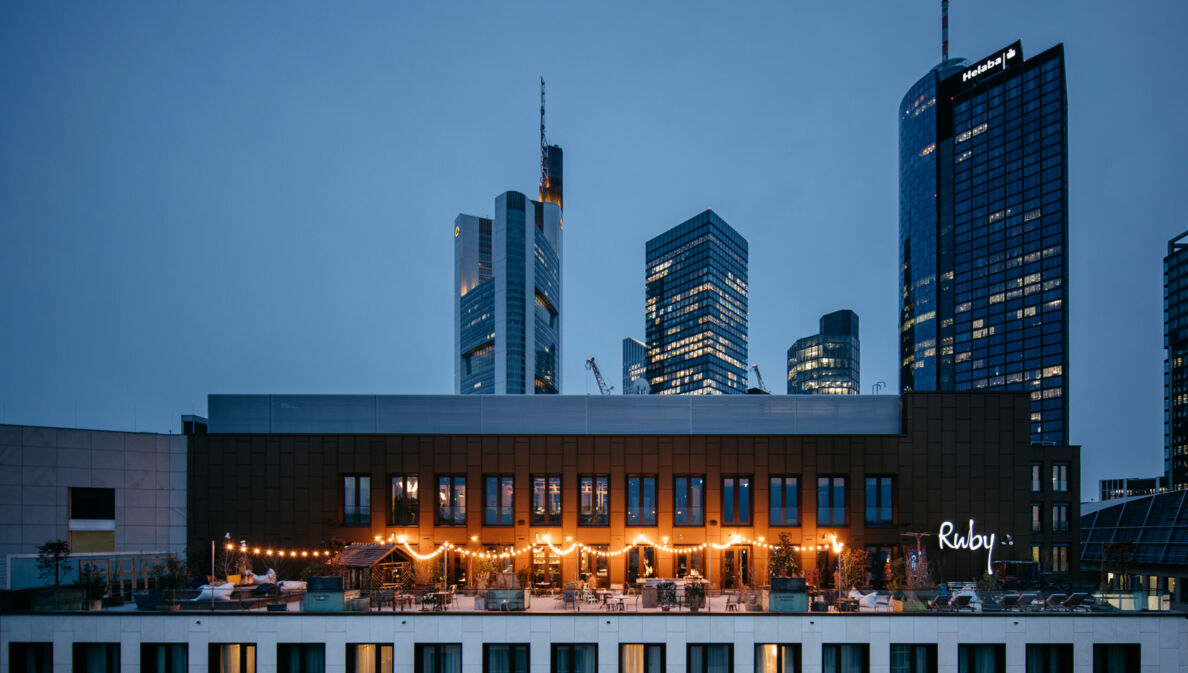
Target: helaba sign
{"points": [[949, 539], [995, 63]]}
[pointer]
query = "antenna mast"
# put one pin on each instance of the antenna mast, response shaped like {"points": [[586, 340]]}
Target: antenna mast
{"points": [[944, 52], [544, 148]]}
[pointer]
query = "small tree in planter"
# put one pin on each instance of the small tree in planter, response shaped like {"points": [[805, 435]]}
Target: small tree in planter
{"points": [[91, 584], [53, 560], [782, 561], [853, 567], [169, 578]]}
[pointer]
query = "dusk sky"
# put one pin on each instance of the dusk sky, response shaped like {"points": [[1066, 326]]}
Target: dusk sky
{"points": [[260, 197]]}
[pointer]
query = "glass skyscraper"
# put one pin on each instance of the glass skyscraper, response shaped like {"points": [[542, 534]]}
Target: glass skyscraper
{"points": [[507, 299], [984, 231], [1175, 363], [697, 308], [635, 367], [827, 363]]}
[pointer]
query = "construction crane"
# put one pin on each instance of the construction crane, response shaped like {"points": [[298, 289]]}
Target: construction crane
{"points": [[602, 387], [759, 379]]}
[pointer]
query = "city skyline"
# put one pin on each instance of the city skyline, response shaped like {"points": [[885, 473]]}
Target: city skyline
{"points": [[187, 270]]}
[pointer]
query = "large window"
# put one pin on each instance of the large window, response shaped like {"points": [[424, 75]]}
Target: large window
{"points": [[356, 500], [163, 658], [594, 567], [406, 505], [301, 658], [774, 658], [1059, 477], [1060, 558], [368, 658], [451, 501], [499, 498], [981, 658], [879, 507], [710, 658], [1037, 517], [1049, 658], [1060, 517], [438, 658], [97, 657], [736, 501], [785, 501], [845, 658], [1117, 658], [641, 501], [500, 658], [232, 658], [1037, 479], [575, 658], [594, 500], [31, 657], [688, 506], [546, 500], [638, 658], [913, 658], [831, 501]]}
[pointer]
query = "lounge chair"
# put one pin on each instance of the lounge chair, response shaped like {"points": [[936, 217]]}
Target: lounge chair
{"points": [[1076, 602], [940, 603], [961, 602], [1055, 602], [1011, 601], [1026, 602]]}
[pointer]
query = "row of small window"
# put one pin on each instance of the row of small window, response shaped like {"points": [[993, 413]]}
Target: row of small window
{"points": [[1059, 477], [573, 658], [689, 497]]}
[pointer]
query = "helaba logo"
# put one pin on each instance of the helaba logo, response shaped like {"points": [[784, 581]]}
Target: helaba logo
{"points": [[990, 64]]}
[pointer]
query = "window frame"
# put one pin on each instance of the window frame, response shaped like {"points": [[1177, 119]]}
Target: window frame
{"points": [[351, 654], [783, 491], [554, 647], [146, 649], [362, 496], [879, 482], [692, 510], [647, 646], [453, 481], [598, 518], [643, 515], [970, 648], [247, 651], [833, 506], [298, 648], [705, 648], [1060, 472], [1060, 524], [780, 647], [1037, 517], [747, 513], [930, 648], [549, 518], [1066, 656], [1037, 477], [409, 515], [511, 652], [863, 647], [501, 481], [419, 650]]}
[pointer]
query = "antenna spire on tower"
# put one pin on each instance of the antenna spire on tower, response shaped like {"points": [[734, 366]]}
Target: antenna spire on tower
{"points": [[544, 148], [944, 49]]}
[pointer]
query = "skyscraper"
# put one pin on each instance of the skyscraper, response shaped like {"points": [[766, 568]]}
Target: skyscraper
{"points": [[1175, 363], [983, 226], [507, 301], [826, 363], [635, 367], [697, 308]]}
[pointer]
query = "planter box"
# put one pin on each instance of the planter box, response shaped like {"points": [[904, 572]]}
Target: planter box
{"points": [[62, 598], [507, 599]]}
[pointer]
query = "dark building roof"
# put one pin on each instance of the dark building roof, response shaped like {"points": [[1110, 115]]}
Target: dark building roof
{"points": [[1150, 530]]}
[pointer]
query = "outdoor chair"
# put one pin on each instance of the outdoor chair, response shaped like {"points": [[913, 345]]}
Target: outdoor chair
{"points": [[1055, 602], [961, 602], [1011, 601], [1026, 602], [939, 603], [1076, 601], [733, 600]]}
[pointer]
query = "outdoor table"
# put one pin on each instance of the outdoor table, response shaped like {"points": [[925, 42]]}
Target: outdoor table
{"points": [[405, 599], [615, 602], [441, 600]]}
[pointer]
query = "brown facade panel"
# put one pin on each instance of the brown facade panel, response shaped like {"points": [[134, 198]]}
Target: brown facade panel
{"points": [[957, 459]]}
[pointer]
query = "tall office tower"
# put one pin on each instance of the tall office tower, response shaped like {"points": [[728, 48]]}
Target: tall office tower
{"points": [[826, 363], [635, 367], [983, 226], [697, 309], [1175, 363], [507, 301]]}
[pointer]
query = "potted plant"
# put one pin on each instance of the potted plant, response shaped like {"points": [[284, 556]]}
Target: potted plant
{"points": [[484, 575], [92, 586], [787, 592], [169, 578], [695, 596], [666, 595]]}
